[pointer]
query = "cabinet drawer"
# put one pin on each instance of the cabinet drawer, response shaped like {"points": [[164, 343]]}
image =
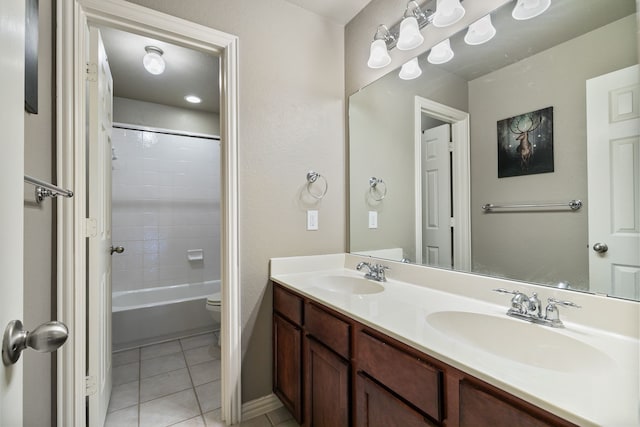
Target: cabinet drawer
{"points": [[328, 329], [287, 304], [412, 379]]}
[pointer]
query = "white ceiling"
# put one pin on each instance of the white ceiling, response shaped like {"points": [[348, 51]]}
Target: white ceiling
{"points": [[339, 11], [188, 72]]}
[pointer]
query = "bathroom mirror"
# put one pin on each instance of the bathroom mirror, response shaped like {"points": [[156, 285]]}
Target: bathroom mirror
{"points": [[526, 87]]}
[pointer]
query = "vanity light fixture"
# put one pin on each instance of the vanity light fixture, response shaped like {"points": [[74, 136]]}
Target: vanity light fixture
{"points": [[410, 70], [378, 53], [410, 37], [480, 31], [527, 9], [153, 61], [193, 99], [448, 12], [440, 53]]}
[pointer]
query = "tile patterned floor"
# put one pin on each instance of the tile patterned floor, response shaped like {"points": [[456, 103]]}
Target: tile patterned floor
{"points": [[176, 383]]}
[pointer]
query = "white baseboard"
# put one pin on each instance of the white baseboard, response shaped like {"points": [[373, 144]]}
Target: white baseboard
{"points": [[260, 406]]}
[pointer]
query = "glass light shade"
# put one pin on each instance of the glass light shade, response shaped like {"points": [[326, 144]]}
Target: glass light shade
{"points": [[410, 36], [448, 12], [480, 31], [153, 61], [410, 70], [440, 53], [527, 9], [378, 55]]}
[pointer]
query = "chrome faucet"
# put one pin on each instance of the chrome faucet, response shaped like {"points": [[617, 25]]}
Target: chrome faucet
{"points": [[530, 308], [376, 271]]}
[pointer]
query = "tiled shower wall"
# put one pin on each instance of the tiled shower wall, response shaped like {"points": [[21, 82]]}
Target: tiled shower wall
{"points": [[165, 201]]}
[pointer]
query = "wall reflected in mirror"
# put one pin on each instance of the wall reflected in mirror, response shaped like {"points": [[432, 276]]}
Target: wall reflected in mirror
{"points": [[528, 66]]}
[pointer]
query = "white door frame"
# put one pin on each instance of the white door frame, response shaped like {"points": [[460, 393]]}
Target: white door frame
{"points": [[73, 17], [461, 184]]}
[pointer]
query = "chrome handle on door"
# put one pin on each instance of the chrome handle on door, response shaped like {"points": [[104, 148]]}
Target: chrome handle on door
{"points": [[117, 249], [45, 338], [600, 248]]}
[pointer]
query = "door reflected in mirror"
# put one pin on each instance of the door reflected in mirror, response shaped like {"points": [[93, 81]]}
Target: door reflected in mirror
{"points": [[432, 213]]}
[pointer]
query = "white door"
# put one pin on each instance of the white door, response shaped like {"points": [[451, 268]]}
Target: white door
{"points": [[11, 189], [613, 156], [99, 224], [436, 196]]}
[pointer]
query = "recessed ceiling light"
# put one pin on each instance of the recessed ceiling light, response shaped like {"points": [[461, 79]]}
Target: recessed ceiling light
{"points": [[193, 99]]}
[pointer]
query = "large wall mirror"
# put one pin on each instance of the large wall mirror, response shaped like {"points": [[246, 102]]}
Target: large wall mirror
{"points": [[543, 114]]}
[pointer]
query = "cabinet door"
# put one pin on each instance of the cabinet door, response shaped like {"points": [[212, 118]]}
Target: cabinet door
{"points": [[327, 387], [480, 407], [287, 365], [377, 407]]}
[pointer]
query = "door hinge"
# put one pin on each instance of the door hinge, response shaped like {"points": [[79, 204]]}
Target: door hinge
{"points": [[92, 72], [452, 222], [450, 146], [90, 227], [90, 386]]}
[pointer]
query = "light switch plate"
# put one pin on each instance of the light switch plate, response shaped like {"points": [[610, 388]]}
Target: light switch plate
{"points": [[373, 219], [312, 220]]}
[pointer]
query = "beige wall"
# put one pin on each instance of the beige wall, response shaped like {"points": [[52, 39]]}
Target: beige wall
{"points": [[360, 30], [135, 112], [39, 238], [555, 77], [381, 140], [291, 120]]}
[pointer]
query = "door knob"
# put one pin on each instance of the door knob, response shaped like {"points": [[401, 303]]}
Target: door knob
{"points": [[117, 249], [600, 248], [45, 338]]}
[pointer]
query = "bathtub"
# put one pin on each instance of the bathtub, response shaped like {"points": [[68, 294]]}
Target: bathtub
{"points": [[152, 315]]}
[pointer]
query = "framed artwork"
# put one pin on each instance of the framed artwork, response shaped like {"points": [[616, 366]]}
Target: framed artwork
{"points": [[31, 57], [525, 144]]}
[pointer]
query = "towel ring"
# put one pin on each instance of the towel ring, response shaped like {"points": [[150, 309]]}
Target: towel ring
{"points": [[312, 177], [373, 186]]}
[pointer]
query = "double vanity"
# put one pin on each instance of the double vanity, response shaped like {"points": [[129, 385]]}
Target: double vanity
{"points": [[423, 347]]}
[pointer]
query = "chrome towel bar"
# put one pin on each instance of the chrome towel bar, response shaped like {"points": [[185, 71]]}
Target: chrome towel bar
{"points": [[574, 205], [44, 189]]}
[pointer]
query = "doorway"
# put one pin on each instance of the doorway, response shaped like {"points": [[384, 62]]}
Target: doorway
{"points": [[75, 19]]}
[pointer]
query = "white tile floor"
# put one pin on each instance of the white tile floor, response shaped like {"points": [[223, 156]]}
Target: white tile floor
{"points": [[176, 383]]}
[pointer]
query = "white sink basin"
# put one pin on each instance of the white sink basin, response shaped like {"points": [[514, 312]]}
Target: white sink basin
{"points": [[521, 342], [346, 285]]}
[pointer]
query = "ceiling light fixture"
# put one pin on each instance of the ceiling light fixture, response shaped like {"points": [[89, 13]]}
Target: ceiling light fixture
{"points": [[480, 31], [527, 9], [410, 70], [153, 61], [448, 12], [440, 53], [193, 99]]}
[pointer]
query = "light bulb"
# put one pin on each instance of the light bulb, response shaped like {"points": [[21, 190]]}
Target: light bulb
{"points": [[410, 36], [480, 31], [527, 9], [378, 55], [153, 61], [410, 70], [440, 53], [448, 12]]}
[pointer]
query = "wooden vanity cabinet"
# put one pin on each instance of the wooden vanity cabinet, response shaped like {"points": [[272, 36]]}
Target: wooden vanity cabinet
{"points": [[332, 371]]}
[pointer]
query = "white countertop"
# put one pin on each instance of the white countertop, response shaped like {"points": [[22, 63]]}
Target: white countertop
{"points": [[606, 393]]}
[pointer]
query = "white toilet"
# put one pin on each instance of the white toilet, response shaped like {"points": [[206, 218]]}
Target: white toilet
{"points": [[215, 308]]}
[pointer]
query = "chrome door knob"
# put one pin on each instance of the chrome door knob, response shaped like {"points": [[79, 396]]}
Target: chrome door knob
{"points": [[45, 338], [117, 249], [600, 248]]}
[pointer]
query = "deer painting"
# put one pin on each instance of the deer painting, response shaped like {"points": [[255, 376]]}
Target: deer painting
{"points": [[521, 126]]}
